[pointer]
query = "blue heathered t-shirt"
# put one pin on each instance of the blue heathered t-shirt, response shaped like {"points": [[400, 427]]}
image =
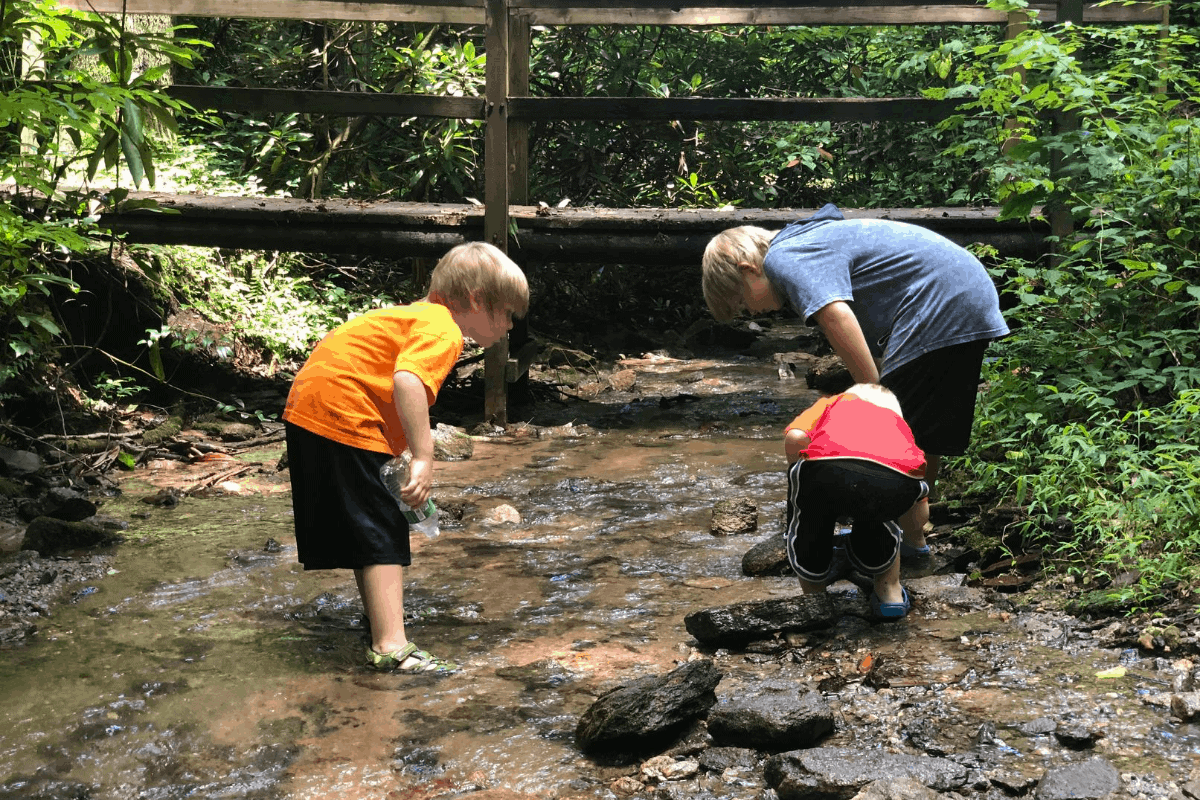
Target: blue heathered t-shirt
{"points": [[911, 289]]}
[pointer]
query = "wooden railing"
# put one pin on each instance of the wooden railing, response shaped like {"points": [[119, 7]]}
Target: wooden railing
{"points": [[507, 107]]}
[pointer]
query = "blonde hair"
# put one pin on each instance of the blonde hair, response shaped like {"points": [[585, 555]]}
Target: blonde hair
{"points": [[874, 393], [477, 272], [720, 270]]}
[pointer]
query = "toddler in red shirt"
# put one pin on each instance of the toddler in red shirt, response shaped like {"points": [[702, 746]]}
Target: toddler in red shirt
{"points": [[852, 455]]}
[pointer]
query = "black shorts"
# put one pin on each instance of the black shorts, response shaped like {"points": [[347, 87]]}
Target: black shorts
{"points": [[822, 491], [345, 518], [937, 393]]}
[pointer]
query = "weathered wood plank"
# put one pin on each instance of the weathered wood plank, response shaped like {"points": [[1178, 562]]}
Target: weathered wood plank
{"points": [[585, 235], [769, 15], [840, 109], [295, 212], [251, 101], [496, 182], [525, 109], [619, 12], [465, 12], [813, 14]]}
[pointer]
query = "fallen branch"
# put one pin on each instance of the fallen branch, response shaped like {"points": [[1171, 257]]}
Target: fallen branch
{"points": [[220, 477]]}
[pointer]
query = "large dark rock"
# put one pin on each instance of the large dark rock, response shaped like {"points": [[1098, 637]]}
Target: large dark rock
{"points": [[18, 462], [60, 503], [829, 375], [838, 773], [772, 716], [647, 715], [739, 623], [767, 558], [49, 536], [1085, 780]]}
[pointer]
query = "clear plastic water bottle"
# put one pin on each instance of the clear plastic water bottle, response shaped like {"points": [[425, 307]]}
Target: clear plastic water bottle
{"points": [[395, 475]]}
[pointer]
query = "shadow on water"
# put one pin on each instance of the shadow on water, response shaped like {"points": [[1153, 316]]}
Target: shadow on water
{"points": [[209, 665]]}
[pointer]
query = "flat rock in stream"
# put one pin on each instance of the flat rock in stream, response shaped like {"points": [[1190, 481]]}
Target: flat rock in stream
{"points": [[840, 772], [649, 714], [772, 716], [736, 624], [898, 789], [1085, 780]]}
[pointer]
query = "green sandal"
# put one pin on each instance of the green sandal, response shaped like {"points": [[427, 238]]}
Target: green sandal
{"points": [[408, 659]]}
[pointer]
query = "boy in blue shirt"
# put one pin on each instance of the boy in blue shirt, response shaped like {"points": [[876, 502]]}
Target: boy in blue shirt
{"points": [[901, 305]]}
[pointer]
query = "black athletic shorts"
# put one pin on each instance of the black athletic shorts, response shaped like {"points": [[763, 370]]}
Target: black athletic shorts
{"points": [[937, 393], [822, 491], [345, 518]]}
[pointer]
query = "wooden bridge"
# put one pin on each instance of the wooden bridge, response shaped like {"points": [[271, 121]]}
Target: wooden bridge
{"points": [[615, 235]]}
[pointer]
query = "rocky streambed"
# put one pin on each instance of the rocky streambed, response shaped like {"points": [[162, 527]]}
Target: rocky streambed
{"points": [[620, 635]]}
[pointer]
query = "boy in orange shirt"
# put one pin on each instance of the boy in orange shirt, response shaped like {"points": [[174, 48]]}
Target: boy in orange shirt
{"points": [[362, 397], [852, 454]]}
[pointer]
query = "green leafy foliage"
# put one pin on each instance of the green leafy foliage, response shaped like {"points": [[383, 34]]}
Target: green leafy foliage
{"points": [[757, 164], [1090, 413], [314, 155], [59, 120]]}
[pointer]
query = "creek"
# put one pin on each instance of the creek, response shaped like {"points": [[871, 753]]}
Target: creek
{"points": [[206, 663]]}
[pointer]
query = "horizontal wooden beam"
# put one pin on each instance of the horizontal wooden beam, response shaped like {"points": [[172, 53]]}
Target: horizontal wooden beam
{"points": [[837, 109], [579, 235], [769, 15], [251, 101], [620, 12], [467, 12], [813, 14], [609, 109]]}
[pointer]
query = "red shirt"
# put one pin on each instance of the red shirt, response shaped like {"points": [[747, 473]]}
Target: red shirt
{"points": [[846, 426], [345, 391]]}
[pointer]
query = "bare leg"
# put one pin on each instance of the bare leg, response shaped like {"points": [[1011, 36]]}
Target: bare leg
{"points": [[915, 521], [808, 587], [381, 587], [887, 584]]}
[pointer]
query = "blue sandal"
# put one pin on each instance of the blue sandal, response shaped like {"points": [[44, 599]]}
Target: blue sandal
{"points": [[891, 611]]}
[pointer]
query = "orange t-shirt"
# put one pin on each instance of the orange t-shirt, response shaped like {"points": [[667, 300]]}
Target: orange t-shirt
{"points": [[846, 426], [345, 392]]}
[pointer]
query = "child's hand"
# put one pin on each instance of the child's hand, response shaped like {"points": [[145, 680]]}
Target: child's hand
{"points": [[420, 483]]}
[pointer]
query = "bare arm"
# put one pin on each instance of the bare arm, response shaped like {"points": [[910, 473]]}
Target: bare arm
{"points": [[842, 329], [794, 443], [411, 404]]}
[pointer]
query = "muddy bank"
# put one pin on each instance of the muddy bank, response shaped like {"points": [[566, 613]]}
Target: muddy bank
{"points": [[199, 661]]}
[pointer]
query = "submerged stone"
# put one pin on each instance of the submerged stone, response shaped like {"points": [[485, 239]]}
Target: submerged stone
{"points": [[734, 516]]}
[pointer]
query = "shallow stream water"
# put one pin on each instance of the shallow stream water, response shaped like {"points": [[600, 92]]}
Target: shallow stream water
{"points": [[207, 664]]}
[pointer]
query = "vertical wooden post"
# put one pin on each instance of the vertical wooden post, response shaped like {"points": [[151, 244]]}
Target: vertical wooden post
{"points": [[520, 41], [1164, 33], [1018, 23], [31, 62], [495, 175], [1061, 223]]}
